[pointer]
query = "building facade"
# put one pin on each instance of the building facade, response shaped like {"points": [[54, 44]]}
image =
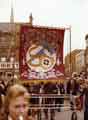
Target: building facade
{"points": [[9, 48], [86, 56], [80, 61], [70, 62]]}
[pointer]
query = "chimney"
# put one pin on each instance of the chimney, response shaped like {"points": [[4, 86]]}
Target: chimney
{"points": [[30, 20], [12, 14]]}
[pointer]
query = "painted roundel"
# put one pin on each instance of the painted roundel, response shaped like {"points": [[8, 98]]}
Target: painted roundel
{"points": [[40, 59]]}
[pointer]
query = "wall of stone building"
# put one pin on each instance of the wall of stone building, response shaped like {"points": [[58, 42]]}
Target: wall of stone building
{"points": [[70, 61], [80, 61], [9, 48]]}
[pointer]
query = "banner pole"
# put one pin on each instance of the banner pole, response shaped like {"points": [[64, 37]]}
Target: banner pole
{"points": [[70, 60]]}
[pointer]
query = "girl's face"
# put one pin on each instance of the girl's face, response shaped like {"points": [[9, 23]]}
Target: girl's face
{"points": [[18, 107]]}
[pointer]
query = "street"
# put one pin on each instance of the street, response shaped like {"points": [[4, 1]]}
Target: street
{"points": [[67, 115], [64, 115]]}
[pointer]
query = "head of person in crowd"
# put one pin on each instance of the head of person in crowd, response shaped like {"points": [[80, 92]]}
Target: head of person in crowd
{"points": [[74, 75], [86, 83], [16, 103]]}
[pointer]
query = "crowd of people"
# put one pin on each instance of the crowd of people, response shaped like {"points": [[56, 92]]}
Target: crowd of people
{"points": [[16, 99]]}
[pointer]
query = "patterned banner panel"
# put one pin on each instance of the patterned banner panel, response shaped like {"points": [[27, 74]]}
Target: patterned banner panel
{"points": [[41, 53]]}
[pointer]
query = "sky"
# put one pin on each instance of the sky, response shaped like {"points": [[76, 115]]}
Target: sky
{"points": [[54, 13]]}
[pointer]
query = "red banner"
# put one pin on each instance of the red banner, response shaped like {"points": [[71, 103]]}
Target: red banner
{"points": [[41, 53]]}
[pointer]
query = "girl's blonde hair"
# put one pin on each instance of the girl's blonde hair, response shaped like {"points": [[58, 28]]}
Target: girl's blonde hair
{"points": [[12, 93]]}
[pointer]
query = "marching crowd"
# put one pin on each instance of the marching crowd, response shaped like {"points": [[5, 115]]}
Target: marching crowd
{"points": [[16, 100]]}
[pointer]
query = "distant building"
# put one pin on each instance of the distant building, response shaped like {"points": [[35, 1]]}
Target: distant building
{"points": [[9, 47], [80, 61], [70, 62], [86, 55]]}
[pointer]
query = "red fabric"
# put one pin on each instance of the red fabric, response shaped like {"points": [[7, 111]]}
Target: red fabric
{"points": [[50, 38]]}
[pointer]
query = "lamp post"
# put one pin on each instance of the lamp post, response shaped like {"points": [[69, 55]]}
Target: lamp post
{"points": [[86, 56]]}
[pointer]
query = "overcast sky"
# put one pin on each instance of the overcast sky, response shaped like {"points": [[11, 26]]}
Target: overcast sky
{"points": [[55, 13]]}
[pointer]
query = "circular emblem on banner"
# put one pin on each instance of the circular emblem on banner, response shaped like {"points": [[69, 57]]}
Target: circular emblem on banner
{"points": [[40, 59], [47, 62]]}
